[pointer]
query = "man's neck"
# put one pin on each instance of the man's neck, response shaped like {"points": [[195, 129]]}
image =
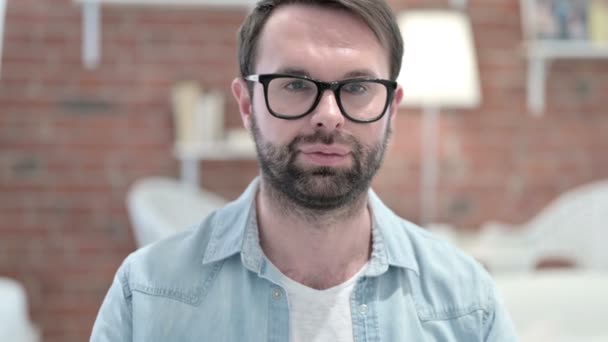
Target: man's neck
{"points": [[319, 249]]}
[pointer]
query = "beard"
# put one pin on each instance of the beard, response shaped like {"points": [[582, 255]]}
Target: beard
{"points": [[317, 188]]}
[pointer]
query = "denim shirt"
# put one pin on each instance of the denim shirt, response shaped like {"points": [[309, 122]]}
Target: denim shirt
{"points": [[214, 283]]}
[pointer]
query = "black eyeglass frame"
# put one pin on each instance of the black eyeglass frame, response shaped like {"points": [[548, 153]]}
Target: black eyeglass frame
{"points": [[335, 87]]}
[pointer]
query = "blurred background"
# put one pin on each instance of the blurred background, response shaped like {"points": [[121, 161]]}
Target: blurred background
{"points": [[90, 101]]}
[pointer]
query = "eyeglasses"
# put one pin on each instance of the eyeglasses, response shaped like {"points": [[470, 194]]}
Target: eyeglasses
{"points": [[291, 97]]}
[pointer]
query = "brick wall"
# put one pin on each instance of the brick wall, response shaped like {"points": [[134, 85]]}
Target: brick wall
{"points": [[73, 140]]}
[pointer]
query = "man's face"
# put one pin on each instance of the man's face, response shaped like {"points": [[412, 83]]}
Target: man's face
{"points": [[322, 160], [318, 185]]}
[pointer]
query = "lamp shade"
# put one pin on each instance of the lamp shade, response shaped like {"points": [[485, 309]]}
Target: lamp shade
{"points": [[439, 65]]}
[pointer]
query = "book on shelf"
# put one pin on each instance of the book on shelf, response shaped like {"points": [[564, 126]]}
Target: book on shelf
{"points": [[561, 19], [567, 19], [598, 22]]}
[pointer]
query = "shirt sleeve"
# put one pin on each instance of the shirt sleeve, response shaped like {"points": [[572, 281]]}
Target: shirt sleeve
{"points": [[114, 320], [498, 325]]}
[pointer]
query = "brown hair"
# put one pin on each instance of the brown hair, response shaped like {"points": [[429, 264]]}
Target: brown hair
{"points": [[375, 13]]}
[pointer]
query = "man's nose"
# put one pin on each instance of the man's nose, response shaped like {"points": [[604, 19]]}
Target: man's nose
{"points": [[327, 115]]}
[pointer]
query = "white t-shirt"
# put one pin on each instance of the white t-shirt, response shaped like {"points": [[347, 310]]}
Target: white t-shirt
{"points": [[320, 315]]}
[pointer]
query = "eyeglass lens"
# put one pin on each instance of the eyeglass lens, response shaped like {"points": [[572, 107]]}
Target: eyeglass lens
{"points": [[363, 100]]}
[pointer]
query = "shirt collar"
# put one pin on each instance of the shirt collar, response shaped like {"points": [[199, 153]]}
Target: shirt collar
{"points": [[392, 244], [235, 230]]}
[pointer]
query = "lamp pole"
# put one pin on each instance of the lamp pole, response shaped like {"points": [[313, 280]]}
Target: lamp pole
{"points": [[429, 177]]}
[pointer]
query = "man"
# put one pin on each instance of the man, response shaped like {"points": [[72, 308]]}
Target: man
{"points": [[308, 252]]}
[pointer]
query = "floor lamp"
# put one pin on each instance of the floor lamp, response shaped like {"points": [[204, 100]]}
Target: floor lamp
{"points": [[439, 70]]}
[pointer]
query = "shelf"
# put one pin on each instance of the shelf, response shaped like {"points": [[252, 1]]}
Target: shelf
{"points": [[541, 54], [214, 151], [567, 49], [190, 155], [544, 43], [91, 19]]}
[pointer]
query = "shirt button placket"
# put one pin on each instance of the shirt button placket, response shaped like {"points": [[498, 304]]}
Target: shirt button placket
{"points": [[363, 315], [363, 309], [276, 293], [278, 318]]}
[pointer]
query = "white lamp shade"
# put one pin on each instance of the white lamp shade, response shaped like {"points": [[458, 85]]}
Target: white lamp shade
{"points": [[439, 65], [15, 325]]}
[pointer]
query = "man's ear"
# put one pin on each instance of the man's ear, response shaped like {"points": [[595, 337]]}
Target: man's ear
{"points": [[394, 108], [241, 94]]}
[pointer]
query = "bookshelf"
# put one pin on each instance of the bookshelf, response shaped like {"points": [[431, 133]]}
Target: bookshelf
{"points": [[560, 29]]}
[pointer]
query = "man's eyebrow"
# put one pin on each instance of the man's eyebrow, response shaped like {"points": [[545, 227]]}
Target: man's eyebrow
{"points": [[360, 73], [351, 74], [293, 71]]}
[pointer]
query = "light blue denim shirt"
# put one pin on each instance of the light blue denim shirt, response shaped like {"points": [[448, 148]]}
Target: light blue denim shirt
{"points": [[214, 283]]}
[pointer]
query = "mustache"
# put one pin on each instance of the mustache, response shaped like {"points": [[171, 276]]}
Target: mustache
{"points": [[327, 139], [323, 138]]}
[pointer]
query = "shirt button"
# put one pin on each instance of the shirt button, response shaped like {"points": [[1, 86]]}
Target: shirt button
{"points": [[363, 309], [276, 294]]}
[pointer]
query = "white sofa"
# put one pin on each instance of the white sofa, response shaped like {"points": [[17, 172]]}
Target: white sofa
{"points": [[159, 207], [557, 306], [572, 228]]}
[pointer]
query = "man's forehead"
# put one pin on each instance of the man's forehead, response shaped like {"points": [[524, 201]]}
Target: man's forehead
{"points": [[296, 32], [320, 21]]}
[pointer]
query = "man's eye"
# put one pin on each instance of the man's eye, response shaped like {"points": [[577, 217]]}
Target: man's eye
{"points": [[297, 85], [354, 88]]}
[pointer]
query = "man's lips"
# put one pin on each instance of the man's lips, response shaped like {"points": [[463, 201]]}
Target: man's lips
{"points": [[331, 150], [325, 155]]}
